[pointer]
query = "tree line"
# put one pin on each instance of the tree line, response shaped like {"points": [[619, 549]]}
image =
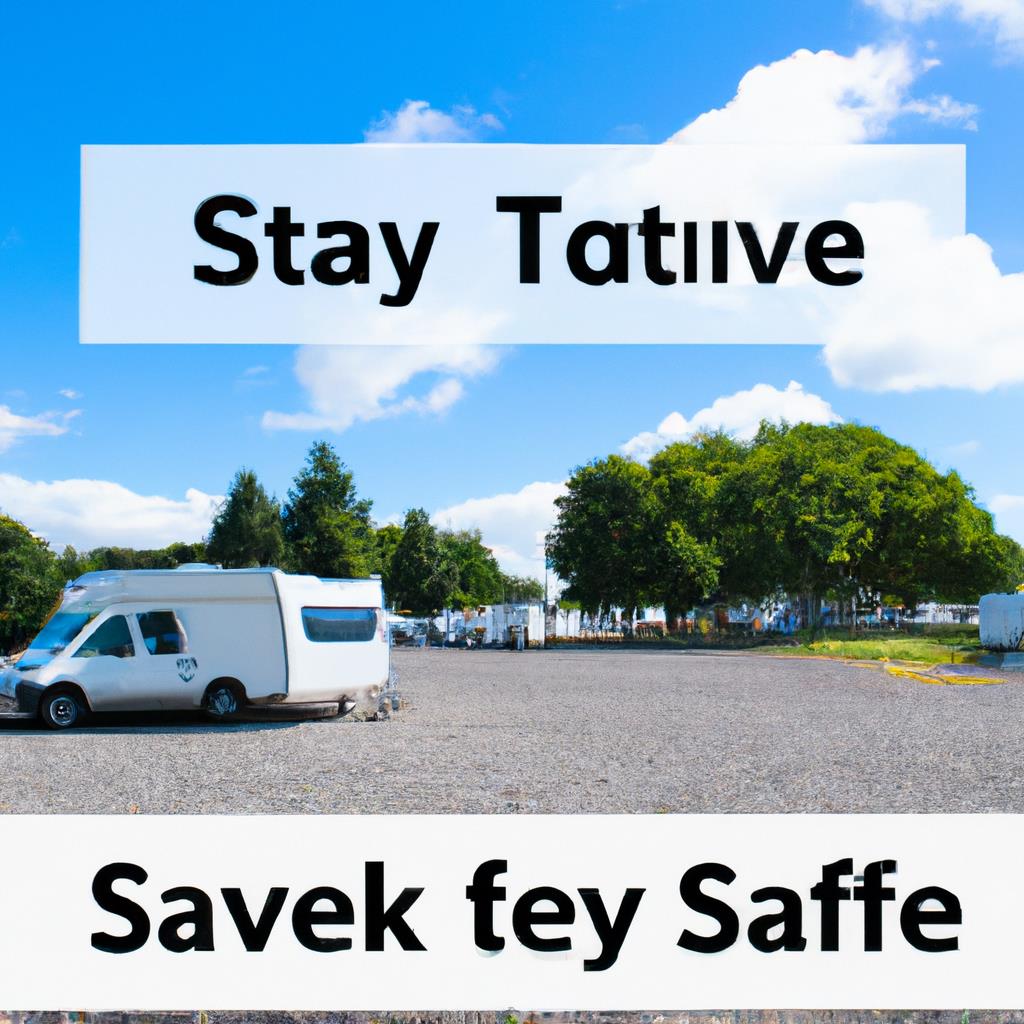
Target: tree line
{"points": [[840, 512], [323, 527]]}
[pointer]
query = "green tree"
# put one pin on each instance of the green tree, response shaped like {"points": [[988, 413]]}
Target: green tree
{"points": [[515, 589], [247, 528], [707, 541], [935, 543], [608, 536], [1008, 557], [841, 512], [170, 557], [858, 515], [30, 584], [71, 565], [327, 526], [479, 577], [815, 497], [184, 553], [386, 539], [424, 580]]}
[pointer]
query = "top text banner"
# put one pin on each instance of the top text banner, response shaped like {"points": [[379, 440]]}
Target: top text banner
{"points": [[507, 244]]}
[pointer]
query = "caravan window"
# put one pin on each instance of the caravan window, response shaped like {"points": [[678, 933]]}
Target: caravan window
{"points": [[112, 639], [162, 632], [339, 625]]}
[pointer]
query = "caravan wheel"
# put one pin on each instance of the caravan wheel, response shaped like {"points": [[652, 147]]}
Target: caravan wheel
{"points": [[59, 710], [222, 701]]}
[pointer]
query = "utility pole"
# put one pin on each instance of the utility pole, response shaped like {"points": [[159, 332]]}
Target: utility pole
{"points": [[546, 590]]}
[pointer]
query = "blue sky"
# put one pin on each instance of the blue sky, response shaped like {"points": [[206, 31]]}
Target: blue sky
{"points": [[158, 421]]}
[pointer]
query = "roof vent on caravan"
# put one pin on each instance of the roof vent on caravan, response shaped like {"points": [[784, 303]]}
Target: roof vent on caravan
{"points": [[197, 567]]}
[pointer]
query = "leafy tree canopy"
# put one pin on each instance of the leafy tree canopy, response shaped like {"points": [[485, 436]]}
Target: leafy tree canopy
{"points": [[327, 526], [30, 584], [424, 579], [838, 511], [247, 528]]}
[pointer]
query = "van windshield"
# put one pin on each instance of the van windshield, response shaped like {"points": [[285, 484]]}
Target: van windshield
{"points": [[53, 638]]}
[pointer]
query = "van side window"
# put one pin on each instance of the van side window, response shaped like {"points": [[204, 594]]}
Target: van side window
{"points": [[112, 639], [339, 625], [162, 633]]}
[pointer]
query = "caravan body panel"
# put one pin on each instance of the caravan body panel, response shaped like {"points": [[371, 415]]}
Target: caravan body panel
{"points": [[336, 637]]}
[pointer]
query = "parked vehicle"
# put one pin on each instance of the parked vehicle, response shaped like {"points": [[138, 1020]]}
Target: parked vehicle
{"points": [[228, 641]]}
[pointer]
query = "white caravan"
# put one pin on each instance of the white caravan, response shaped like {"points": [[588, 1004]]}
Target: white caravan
{"points": [[227, 640], [1001, 621]]}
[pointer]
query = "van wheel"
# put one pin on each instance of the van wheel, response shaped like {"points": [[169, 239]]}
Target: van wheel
{"points": [[222, 702], [59, 710]]}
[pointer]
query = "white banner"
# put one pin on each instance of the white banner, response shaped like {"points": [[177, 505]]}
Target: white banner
{"points": [[506, 244], [531, 912]]}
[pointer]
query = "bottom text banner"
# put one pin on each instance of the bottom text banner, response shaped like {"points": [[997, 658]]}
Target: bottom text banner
{"points": [[530, 912]]}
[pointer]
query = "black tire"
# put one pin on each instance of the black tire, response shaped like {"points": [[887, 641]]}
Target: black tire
{"points": [[60, 709], [223, 702]]}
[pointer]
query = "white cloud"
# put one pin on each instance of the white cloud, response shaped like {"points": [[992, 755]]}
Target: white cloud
{"points": [[418, 121], [254, 377], [91, 513], [933, 312], [739, 414], [14, 427], [1003, 18], [512, 525], [1008, 510], [351, 383], [824, 97], [69, 393]]}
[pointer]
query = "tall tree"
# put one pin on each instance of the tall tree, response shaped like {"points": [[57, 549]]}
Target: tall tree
{"points": [[30, 584], [70, 564], [386, 539], [606, 541], [855, 515], [424, 579], [479, 575], [816, 498], [701, 531], [327, 527], [841, 512], [247, 528]]}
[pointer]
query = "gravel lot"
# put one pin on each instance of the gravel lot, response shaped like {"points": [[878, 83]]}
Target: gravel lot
{"points": [[568, 731]]}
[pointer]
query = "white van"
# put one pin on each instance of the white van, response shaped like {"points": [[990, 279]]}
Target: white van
{"points": [[227, 640]]}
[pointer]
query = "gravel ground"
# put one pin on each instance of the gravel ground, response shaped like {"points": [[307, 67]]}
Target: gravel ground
{"points": [[542, 1017], [562, 732]]}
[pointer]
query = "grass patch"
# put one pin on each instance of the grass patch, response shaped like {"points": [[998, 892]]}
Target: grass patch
{"points": [[924, 644], [931, 650]]}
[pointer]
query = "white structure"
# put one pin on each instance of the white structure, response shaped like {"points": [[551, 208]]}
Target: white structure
{"points": [[203, 637], [567, 622], [505, 623], [1001, 622], [933, 614]]}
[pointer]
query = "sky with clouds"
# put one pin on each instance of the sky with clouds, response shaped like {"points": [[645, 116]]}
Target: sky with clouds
{"points": [[134, 444]]}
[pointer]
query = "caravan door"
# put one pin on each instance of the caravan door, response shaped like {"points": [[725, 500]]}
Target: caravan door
{"points": [[104, 665], [165, 667]]}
